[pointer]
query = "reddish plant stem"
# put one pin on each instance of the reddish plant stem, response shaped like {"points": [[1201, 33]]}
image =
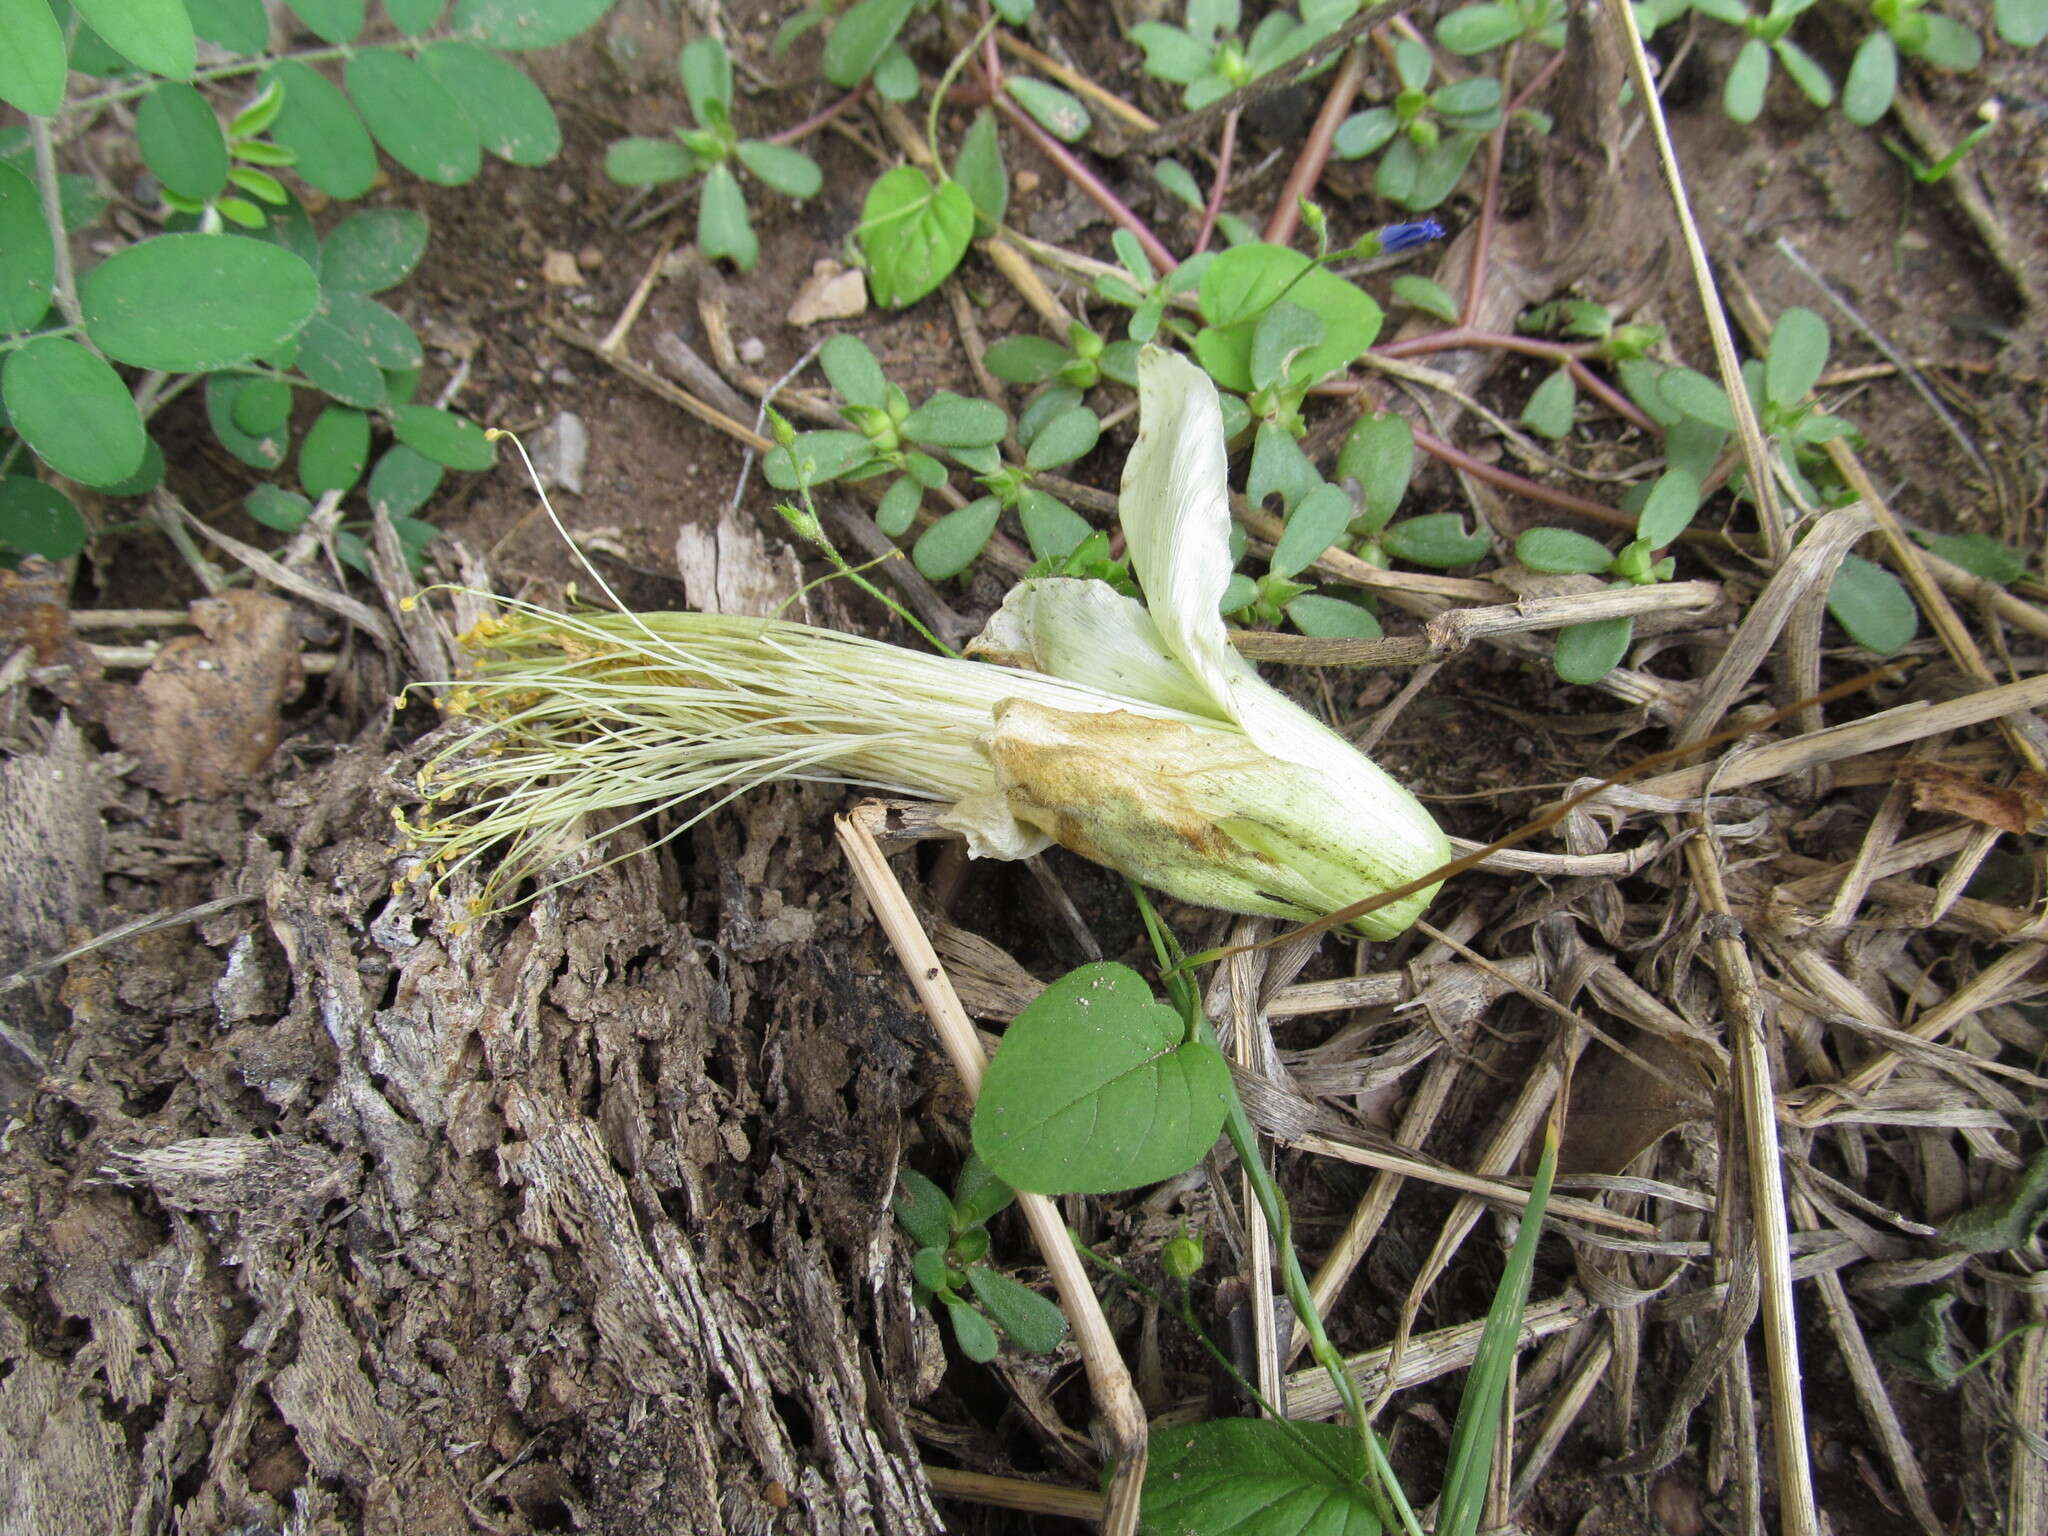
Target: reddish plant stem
{"points": [[1571, 357], [1214, 207], [1315, 149], [817, 120], [1496, 154], [1091, 184], [1521, 485]]}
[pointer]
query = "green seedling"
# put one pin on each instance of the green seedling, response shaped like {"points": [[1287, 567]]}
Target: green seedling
{"points": [[240, 297], [951, 1268], [1085, 361], [1905, 29], [1205, 57], [1989, 115], [1425, 138], [711, 150]]}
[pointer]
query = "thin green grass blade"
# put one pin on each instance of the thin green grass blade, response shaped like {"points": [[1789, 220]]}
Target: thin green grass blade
{"points": [[1478, 1427]]}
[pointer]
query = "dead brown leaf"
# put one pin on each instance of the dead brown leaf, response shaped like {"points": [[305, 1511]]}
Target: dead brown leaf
{"points": [[2012, 808], [207, 711]]}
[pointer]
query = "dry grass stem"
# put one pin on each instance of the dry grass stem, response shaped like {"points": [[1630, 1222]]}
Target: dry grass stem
{"points": [[1016, 1493]]}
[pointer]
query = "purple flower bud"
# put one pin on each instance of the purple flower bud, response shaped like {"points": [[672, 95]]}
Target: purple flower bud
{"points": [[1405, 237]]}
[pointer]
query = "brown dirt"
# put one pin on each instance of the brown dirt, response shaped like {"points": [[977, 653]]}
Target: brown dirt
{"points": [[330, 1213]]}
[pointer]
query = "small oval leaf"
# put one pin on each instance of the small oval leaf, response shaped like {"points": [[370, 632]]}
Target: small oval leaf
{"points": [[413, 117], [73, 410]]}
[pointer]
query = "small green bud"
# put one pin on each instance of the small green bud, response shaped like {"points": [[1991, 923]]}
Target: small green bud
{"points": [[1182, 1256], [780, 429], [970, 1245], [1425, 133], [802, 522]]}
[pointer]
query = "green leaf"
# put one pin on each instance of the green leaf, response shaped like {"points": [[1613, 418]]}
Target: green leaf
{"points": [[979, 168], [831, 455], [1379, 453], [319, 126], [73, 410], [1477, 28], [1332, 618], [1053, 529], [27, 257], [1067, 437], [1694, 394], [723, 228], [1797, 355], [647, 162], [978, 1195], [277, 508], [895, 75], [1279, 467], [234, 25], [259, 184], [373, 250], [949, 546], [412, 17], [336, 448], [1950, 45], [1429, 297], [443, 437], [1674, 500], [1806, 73], [339, 363], [523, 25], [1058, 112], [2023, 23], [1550, 408], [2007, 1222], [911, 233], [1096, 1088], [1693, 446], [860, 38], [1438, 538], [1473, 97], [32, 65], [263, 407], [1641, 378], [948, 420], [1034, 1324], [1256, 1477], [223, 393], [1980, 555], [510, 113], [147, 478], [1176, 180], [1242, 283], [413, 117], [1588, 652], [1870, 603], [852, 370], [1026, 359], [971, 1331], [1562, 552], [388, 340], [1365, 133], [155, 35], [1170, 53], [789, 171], [1312, 527], [923, 1210], [1742, 94], [706, 71], [1045, 405], [1283, 334], [1873, 80], [39, 519], [899, 506], [332, 21]]}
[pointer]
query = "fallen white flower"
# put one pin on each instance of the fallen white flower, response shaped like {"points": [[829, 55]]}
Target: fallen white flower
{"points": [[1132, 734]]}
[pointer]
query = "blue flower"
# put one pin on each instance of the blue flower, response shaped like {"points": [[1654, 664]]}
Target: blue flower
{"points": [[1405, 237]]}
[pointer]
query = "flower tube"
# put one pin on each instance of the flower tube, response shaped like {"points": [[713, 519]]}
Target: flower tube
{"points": [[1131, 733]]}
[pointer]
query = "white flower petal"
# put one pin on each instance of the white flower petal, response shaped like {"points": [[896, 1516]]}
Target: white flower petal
{"points": [[1089, 633]]}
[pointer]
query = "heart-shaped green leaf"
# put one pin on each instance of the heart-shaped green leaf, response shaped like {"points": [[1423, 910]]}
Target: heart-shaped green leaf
{"points": [[1097, 1089], [1258, 1476]]}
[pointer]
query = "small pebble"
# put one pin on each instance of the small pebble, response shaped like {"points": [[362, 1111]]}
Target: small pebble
{"points": [[752, 350], [560, 269], [590, 258]]}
